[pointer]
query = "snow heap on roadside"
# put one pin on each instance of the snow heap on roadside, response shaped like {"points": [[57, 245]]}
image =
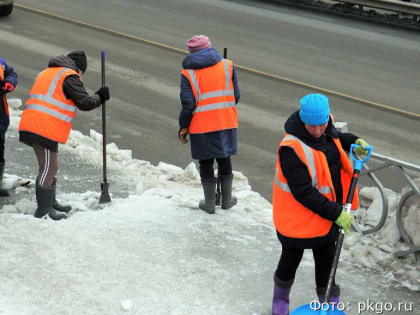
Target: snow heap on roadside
{"points": [[376, 251], [179, 189]]}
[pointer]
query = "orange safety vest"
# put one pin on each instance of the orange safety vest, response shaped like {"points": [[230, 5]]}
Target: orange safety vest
{"points": [[48, 112], [290, 217], [215, 100], [6, 105]]}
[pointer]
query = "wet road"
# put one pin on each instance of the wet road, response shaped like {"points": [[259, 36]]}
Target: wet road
{"points": [[363, 60]]}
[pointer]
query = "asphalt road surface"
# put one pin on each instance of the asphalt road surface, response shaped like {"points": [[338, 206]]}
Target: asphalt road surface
{"points": [[369, 61]]}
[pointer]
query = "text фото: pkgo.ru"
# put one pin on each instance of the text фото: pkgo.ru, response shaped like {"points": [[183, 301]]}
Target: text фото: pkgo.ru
{"points": [[368, 306]]}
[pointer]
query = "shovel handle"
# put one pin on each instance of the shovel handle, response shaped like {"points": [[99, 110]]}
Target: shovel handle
{"points": [[358, 163]]}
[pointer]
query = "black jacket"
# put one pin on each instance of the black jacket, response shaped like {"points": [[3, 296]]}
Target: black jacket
{"points": [[300, 182], [73, 89]]}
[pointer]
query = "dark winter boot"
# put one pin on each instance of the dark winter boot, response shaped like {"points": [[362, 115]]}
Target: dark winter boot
{"points": [[226, 185], [334, 297], [56, 205], [3, 192], [209, 187], [281, 296], [44, 199]]}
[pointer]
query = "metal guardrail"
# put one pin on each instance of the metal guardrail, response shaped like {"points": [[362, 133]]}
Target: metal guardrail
{"points": [[402, 166], [389, 5]]}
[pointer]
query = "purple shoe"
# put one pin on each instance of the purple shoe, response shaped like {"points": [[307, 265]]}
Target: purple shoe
{"points": [[281, 296]]}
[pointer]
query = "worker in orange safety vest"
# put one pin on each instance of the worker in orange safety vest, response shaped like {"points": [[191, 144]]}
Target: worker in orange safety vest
{"points": [[209, 95], [312, 178], [56, 94]]}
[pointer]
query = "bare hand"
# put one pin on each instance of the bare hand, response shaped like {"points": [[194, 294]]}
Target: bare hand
{"points": [[182, 135]]}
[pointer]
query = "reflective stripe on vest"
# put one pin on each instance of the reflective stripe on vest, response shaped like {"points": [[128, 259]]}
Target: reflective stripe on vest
{"points": [[310, 164], [325, 190], [204, 96], [49, 111], [48, 98], [5, 104], [215, 99]]}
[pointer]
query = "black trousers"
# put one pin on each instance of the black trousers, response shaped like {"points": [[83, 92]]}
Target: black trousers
{"points": [[224, 165], [291, 257], [2, 142]]}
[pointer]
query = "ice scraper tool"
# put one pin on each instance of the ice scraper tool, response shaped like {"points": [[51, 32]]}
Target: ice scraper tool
{"points": [[104, 198]]}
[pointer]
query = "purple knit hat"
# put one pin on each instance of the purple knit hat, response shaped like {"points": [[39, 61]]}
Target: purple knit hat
{"points": [[198, 42]]}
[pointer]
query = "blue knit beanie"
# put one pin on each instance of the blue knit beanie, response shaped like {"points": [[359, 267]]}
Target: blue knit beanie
{"points": [[314, 109]]}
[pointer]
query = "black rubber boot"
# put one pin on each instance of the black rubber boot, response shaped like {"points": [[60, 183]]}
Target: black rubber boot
{"points": [[56, 205], [209, 188], [44, 199], [55, 215], [3, 192], [44, 196], [228, 201]]}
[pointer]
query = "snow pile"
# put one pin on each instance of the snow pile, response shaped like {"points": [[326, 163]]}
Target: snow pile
{"points": [[412, 216], [376, 251]]}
